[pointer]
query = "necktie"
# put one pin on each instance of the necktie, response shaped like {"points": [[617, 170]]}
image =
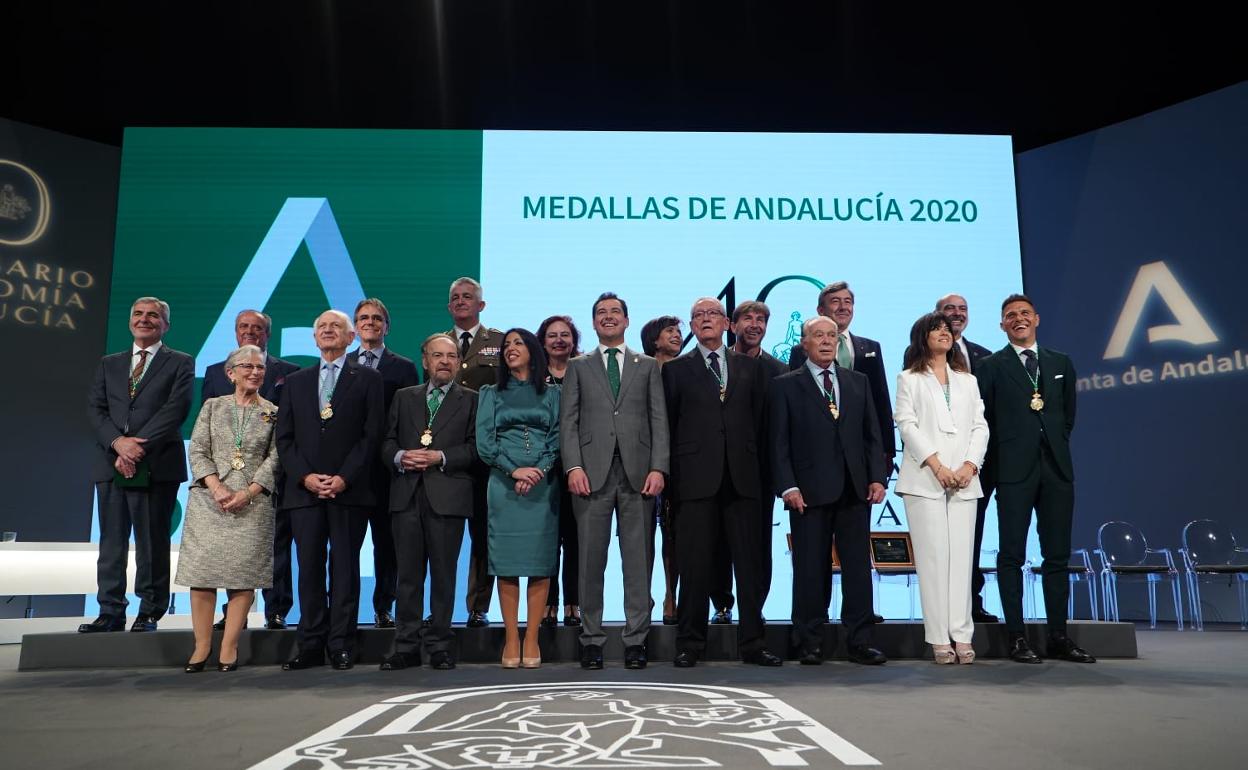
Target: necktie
{"points": [[1031, 364], [369, 359], [613, 371], [829, 388], [843, 353], [435, 401], [465, 340], [327, 387], [713, 357], [137, 374]]}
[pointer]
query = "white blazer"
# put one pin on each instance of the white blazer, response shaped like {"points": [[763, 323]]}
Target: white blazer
{"points": [[955, 433]]}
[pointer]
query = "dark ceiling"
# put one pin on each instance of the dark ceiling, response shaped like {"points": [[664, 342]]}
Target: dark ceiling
{"points": [[1039, 72]]}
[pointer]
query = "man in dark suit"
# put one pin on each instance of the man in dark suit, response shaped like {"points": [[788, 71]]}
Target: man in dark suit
{"points": [[251, 327], [828, 466], [715, 407], [1029, 402], [372, 324], [836, 301], [479, 356], [749, 327], [431, 444], [138, 401], [954, 307], [328, 434]]}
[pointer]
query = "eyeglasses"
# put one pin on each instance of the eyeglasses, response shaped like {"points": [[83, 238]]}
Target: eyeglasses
{"points": [[698, 315], [249, 367]]}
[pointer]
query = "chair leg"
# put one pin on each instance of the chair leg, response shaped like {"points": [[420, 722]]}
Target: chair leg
{"points": [[1091, 596], [1178, 601], [911, 581], [1070, 596], [1152, 602], [1193, 594], [1242, 585]]}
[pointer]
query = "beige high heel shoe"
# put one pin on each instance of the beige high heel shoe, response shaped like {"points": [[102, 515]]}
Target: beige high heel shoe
{"points": [[965, 652], [527, 662], [943, 654], [510, 662]]}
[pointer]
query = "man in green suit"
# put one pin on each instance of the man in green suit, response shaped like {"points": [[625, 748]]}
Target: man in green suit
{"points": [[1029, 401]]}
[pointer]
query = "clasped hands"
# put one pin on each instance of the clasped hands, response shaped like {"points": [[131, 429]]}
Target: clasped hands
{"points": [[227, 500], [324, 486], [949, 478], [129, 451], [420, 459]]}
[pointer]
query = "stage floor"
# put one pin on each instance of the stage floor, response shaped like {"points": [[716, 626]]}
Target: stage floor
{"points": [[1180, 703]]}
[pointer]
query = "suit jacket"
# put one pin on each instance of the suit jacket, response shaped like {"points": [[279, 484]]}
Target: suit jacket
{"points": [[812, 451], [156, 413], [396, 372], [955, 432], [772, 366], [480, 367], [593, 423], [451, 487], [1016, 432], [275, 370], [704, 430], [868, 360], [344, 445]]}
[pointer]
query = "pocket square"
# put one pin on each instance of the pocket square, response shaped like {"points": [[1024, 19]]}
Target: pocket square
{"points": [[1058, 376], [870, 354]]}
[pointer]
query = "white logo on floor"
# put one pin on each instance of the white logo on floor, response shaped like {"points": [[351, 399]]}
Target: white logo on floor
{"points": [[603, 725]]}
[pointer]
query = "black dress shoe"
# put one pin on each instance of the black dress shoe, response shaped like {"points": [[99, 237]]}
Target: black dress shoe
{"points": [[441, 660], [635, 657], [550, 621], [195, 668], [102, 624], [811, 658], [477, 620], [1062, 646], [143, 623], [427, 622], [877, 618], [383, 620], [762, 658], [275, 623], [669, 620], [685, 659], [305, 659], [981, 615], [572, 620], [591, 657], [722, 618], [226, 668], [220, 624], [866, 655], [1021, 652], [401, 660], [341, 660]]}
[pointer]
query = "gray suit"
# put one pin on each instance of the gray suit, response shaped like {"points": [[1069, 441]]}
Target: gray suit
{"points": [[617, 442]]}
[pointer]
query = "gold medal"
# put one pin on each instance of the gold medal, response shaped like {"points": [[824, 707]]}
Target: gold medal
{"points": [[426, 438], [723, 393], [327, 413], [237, 463], [836, 413], [1037, 403]]}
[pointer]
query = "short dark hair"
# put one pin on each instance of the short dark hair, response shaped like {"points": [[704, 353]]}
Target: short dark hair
{"points": [[751, 306], [606, 295], [919, 353], [1016, 298], [371, 301], [567, 319], [833, 288], [652, 329], [537, 361]]}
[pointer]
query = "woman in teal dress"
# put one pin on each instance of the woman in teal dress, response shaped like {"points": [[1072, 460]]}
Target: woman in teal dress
{"points": [[518, 438]]}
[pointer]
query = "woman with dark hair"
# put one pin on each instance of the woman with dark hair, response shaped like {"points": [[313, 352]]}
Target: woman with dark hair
{"points": [[941, 419], [662, 340], [518, 438], [562, 341]]}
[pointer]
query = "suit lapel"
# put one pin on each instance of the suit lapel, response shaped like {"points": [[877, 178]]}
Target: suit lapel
{"points": [[860, 354], [815, 393], [936, 394], [628, 372], [730, 360], [598, 372], [346, 378], [153, 367], [1048, 368], [1014, 367], [450, 405], [483, 339]]}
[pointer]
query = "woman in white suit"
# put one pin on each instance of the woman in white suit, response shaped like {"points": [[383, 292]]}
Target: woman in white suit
{"points": [[941, 419]]}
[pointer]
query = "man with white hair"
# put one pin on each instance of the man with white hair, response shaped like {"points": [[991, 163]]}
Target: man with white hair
{"points": [[328, 433], [137, 405]]}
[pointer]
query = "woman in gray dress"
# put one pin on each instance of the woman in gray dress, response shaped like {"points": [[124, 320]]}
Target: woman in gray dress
{"points": [[227, 537], [518, 438]]}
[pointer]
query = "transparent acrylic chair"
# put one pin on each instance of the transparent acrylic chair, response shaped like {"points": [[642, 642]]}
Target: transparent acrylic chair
{"points": [[1125, 554], [1079, 568], [1209, 551]]}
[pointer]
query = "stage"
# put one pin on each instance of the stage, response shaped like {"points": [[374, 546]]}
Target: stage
{"points": [[1178, 703]]}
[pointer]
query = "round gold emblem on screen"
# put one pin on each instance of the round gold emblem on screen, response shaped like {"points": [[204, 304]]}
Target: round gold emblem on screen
{"points": [[43, 211]]}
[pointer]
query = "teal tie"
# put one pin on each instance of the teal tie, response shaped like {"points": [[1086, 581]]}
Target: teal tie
{"points": [[435, 401], [613, 371], [327, 387], [842, 352]]}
